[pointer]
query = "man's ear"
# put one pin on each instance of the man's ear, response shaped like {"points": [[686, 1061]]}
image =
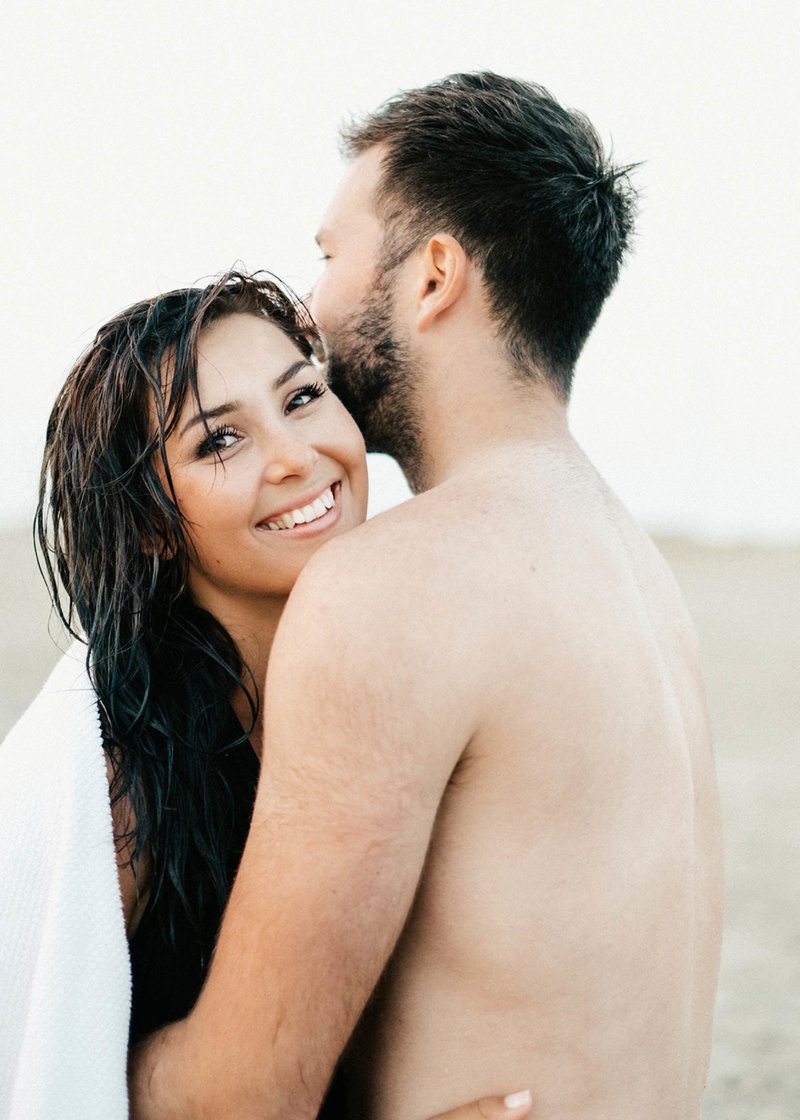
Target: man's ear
{"points": [[443, 271]]}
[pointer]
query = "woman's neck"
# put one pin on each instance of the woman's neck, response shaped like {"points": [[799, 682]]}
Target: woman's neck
{"points": [[252, 625]]}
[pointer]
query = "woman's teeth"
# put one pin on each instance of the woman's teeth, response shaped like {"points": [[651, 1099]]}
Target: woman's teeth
{"points": [[305, 514]]}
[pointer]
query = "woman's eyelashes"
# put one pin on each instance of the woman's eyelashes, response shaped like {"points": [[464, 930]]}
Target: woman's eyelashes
{"points": [[305, 395], [216, 441]]}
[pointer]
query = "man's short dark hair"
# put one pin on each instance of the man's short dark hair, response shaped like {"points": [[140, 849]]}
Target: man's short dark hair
{"points": [[525, 186]]}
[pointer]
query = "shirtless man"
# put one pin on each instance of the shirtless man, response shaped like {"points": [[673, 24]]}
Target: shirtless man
{"points": [[489, 760]]}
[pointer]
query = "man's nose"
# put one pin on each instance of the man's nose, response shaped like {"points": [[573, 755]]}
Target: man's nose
{"points": [[289, 458]]}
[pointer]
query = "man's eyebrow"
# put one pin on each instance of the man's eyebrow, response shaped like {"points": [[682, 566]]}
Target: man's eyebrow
{"points": [[206, 414]]}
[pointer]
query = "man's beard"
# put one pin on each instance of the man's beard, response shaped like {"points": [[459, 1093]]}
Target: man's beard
{"points": [[370, 371]]}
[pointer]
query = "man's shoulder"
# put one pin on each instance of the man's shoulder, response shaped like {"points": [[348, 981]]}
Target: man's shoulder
{"points": [[368, 622], [393, 583], [407, 544]]}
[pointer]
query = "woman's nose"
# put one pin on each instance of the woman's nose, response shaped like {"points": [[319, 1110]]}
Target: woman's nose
{"points": [[289, 457]]}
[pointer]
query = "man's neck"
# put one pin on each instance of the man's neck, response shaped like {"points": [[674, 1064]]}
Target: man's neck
{"points": [[475, 408]]}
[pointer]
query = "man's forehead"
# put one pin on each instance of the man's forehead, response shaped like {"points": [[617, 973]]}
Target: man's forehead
{"points": [[353, 201]]}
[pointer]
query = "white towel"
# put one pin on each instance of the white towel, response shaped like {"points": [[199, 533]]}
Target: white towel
{"points": [[64, 965]]}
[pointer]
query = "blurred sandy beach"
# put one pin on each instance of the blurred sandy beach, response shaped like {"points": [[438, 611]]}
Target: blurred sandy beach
{"points": [[746, 604]]}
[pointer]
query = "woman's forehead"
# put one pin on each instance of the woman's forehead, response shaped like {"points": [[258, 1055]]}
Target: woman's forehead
{"points": [[237, 355]]}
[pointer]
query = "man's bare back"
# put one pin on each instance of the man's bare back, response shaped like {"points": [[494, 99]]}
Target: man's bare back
{"points": [[572, 892]]}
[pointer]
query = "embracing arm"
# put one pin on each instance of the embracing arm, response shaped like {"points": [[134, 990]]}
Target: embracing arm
{"points": [[360, 745]]}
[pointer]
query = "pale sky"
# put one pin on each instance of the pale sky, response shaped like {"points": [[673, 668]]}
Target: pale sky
{"points": [[150, 145]]}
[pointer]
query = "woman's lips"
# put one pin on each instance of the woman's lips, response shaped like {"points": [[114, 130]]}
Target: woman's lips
{"points": [[311, 517]]}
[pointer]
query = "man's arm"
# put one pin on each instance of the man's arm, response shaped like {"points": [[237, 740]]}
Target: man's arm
{"points": [[362, 735]]}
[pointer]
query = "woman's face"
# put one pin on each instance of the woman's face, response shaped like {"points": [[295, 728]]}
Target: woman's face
{"points": [[282, 471]]}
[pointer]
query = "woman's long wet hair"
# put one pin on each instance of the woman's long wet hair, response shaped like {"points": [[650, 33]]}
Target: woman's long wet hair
{"points": [[114, 547]]}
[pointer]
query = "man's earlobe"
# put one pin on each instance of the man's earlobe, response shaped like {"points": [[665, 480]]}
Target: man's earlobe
{"points": [[443, 278]]}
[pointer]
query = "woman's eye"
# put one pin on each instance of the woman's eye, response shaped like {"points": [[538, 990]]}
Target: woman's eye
{"points": [[306, 395], [217, 441]]}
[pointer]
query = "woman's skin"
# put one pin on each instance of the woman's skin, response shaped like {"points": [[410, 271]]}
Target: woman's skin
{"points": [[275, 440], [287, 441]]}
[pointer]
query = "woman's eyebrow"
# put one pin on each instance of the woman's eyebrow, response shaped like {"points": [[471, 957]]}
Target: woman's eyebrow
{"points": [[206, 414], [289, 373]]}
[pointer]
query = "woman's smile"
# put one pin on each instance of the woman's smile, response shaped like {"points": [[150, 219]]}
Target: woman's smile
{"points": [[314, 513]]}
